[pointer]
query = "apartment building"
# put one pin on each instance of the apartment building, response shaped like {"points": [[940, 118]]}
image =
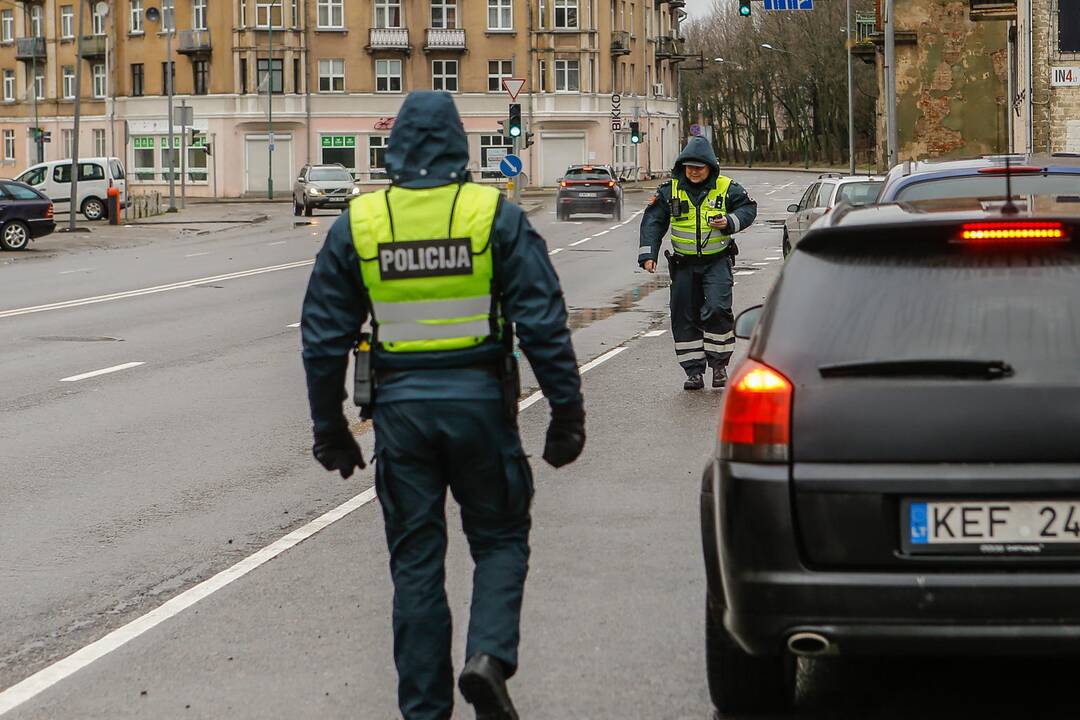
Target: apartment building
{"points": [[1045, 38], [279, 83]]}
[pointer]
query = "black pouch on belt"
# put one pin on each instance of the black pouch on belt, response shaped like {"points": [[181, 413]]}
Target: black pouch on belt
{"points": [[363, 377]]}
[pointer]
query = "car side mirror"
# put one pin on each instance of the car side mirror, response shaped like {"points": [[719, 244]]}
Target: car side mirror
{"points": [[794, 207], [747, 321]]}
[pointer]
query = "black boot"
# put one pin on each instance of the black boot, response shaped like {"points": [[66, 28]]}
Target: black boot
{"points": [[483, 683], [719, 377], [694, 382]]}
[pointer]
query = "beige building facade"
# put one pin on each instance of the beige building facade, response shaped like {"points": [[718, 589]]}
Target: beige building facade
{"points": [[1046, 102], [281, 83]]}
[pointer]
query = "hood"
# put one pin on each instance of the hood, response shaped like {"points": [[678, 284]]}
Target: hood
{"points": [[697, 149], [428, 146]]}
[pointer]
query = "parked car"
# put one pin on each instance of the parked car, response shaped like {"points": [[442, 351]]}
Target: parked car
{"points": [[323, 186], [897, 470], [984, 177], [25, 214], [96, 176], [589, 189], [822, 196]]}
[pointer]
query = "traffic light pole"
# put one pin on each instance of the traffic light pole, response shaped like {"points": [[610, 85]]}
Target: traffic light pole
{"points": [[183, 154], [516, 195]]}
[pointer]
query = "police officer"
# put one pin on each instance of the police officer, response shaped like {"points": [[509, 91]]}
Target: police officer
{"points": [[445, 270], [704, 210]]}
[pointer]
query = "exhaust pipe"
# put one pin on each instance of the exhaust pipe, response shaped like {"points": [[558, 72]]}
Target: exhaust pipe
{"points": [[808, 644]]}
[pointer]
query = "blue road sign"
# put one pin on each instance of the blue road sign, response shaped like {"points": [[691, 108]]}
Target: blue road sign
{"points": [[789, 4], [511, 166], [695, 129]]}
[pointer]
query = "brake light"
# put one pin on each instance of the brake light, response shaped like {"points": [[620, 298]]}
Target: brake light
{"points": [[1009, 232], [49, 211], [611, 183], [1012, 170], [755, 423], [563, 184]]}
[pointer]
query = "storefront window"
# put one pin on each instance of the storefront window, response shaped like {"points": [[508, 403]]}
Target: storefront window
{"points": [[144, 158], [340, 149]]}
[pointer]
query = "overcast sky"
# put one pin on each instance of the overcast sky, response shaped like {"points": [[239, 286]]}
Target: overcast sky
{"points": [[698, 8]]}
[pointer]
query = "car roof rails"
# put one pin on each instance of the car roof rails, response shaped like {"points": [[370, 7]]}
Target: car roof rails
{"points": [[829, 175]]}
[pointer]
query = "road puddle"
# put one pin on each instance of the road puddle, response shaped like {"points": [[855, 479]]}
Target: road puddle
{"points": [[623, 302]]}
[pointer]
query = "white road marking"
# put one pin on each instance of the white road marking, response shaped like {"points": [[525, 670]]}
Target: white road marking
{"points": [[103, 371], [602, 232], [655, 333], [774, 258], [556, 251], [69, 272], [42, 680], [197, 254], [294, 325], [759, 263], [582, 240], [745, 272], [152, 290], [279, 242], [614, 227]]}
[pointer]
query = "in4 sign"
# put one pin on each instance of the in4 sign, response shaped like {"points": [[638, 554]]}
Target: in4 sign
{"points": [[1065, 76]]}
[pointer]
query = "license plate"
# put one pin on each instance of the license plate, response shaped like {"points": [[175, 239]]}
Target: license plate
{"points": [[586, 194], [994, 527]]}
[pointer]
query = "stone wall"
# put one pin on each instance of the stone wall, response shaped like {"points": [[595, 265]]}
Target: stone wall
{"points": [[144, 205]]}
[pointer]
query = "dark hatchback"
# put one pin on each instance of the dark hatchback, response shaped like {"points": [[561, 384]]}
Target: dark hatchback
{"points": [[25, 214], [983, 177], [897, 469], [589, 189]]}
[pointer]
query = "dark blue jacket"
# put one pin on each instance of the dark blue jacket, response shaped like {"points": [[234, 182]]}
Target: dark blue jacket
{"points": [[429, 148], [741, 208]]}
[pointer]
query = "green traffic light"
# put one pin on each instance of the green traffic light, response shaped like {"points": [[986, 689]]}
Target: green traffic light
{"points": [[744, 8], [515, 131]]}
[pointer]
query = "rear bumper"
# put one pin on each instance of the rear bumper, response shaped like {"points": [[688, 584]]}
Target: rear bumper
{"points": [[585, 205], [40, 228], [769, 592]]}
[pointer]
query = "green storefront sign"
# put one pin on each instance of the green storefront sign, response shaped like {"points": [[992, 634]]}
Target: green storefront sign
{"points": [[338, 141], [144, 143]]}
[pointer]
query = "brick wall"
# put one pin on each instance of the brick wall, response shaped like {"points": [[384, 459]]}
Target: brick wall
{"points": [[1056, 112]]}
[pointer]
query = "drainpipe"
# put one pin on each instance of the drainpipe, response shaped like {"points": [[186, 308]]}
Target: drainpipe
{"points": [[890, 82], [307, 78], [1029, 38]]}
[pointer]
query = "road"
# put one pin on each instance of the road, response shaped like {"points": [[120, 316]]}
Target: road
{"points": [[156, 434]]}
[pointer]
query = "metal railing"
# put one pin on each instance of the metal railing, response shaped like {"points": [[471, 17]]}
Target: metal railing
{"points": [[29, 47], [189, 41], [92, 46], [620, 42]]}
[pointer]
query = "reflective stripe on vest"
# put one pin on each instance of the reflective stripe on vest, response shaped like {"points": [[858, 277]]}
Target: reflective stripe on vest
{"points": [[690, 233], [425, 256]]}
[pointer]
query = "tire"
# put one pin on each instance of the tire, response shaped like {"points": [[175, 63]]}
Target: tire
{"points": [[307, 209], [743, 683], [786, 245], [93, 209], [296, 209], [15, 235]]}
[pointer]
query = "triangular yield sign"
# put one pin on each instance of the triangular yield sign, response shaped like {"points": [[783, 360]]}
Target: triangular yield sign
{"points": [[513, 86]]}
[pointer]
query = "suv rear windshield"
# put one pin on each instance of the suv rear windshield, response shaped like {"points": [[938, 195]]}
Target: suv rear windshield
{"points": [[859, 193], [323, 174], [990, 186], [587, 174]]}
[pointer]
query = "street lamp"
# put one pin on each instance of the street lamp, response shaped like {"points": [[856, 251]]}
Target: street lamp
{"points": [[168, 22]]}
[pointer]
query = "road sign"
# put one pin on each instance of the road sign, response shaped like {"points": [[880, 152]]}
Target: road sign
{"points": [[789, 4], [511, 166], [184, 115], [695, 130], [513, 86]]}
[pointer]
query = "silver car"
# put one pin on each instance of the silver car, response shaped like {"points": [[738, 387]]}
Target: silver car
{"points": [[828, 191], [323, 186]]}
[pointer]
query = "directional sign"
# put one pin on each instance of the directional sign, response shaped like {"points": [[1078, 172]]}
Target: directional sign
{"points": [[513, 86], [789, 4], [511, 166]]}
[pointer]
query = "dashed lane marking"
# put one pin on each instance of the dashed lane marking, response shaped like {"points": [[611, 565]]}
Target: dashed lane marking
{"points": [[79, 270], [279, 242], [556, 251], [759, 263], [655, 333], [774, 258], [103, 371], [745, 272], [602, 232], [196, 254], [294, 325], [582, 240]]}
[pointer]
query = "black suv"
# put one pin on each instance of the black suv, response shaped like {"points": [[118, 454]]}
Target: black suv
{"points": [[898, 466], [589, 189]]}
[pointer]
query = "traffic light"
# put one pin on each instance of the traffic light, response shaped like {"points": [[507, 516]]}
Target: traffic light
{"points": [[528, 139], [635, 133], [195, 135], [744, 8], [513, 125], [502, 125]]}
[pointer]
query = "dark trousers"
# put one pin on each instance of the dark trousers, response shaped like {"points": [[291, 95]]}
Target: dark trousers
{"points": [[423, 448], [702, 323]]}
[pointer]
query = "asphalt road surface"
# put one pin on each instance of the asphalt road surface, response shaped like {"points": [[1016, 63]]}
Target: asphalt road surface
{"points": [[169, 548]]}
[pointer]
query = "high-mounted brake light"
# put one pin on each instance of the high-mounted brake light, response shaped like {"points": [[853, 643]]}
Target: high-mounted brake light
{"points": [[1008, 232], [755, 423], [1010, 169]]}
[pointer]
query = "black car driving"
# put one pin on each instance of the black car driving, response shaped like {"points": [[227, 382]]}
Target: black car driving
{"points": [[25, 214], [589, 189], [897, 469]]}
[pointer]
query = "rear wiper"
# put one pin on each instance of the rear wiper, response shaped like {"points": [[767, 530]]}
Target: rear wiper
{"points": [[985, 369]]}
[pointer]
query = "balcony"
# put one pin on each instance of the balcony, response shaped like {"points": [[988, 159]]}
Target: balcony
{"points": [[389, 39], [620, 43], [92, 46], [193, 42], [30, 48], [444, 39], [670, 48]]}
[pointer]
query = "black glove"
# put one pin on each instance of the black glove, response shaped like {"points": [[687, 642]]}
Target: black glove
{"points": [[338, 450], [565, 435]]}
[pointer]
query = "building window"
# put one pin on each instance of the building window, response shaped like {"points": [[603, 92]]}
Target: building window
{"points": [[68, 73], [168, 75], [493, 148], [296, 76], [9, 86], [7, 25], [1069, 26], [566, 15], [136, 16], [387, 13], [97, 22], [444, 14], [200, 75], [295, 13], [166, 154], [332, 76], [67, 22], [99, 80], [198, 14], [66, 137], [338, 149], [331, 14], [9, 144], [137, 80], [243, 76], [444, 75], [387, 76], [566, 76], [377, 145], [196, 161], [243, 13], [144, 157], [267, 11], [542, 76], [500, 15], [541, 14], [497, 70], [37, 21], [276, 70], [99, 143], [39, 83], [168, 14]]}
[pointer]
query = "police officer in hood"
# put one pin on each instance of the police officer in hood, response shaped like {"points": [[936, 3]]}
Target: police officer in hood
{"points": [[703, 209], [445, 270]]}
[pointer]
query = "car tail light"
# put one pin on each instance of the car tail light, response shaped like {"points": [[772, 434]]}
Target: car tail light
{"points": [[611, 183], [49, 211], [1012, 170], [755, 423], [563, 184], [1011, 232]]}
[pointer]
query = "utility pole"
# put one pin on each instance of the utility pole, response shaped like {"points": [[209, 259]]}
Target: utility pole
{"points": [[169, 19], [38, 135], [73, 204], [183, 154], [270, 100], [890, 82], [850, 96]]}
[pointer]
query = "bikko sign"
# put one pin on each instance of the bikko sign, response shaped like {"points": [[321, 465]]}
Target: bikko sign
{"points": [[616, 112]]}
